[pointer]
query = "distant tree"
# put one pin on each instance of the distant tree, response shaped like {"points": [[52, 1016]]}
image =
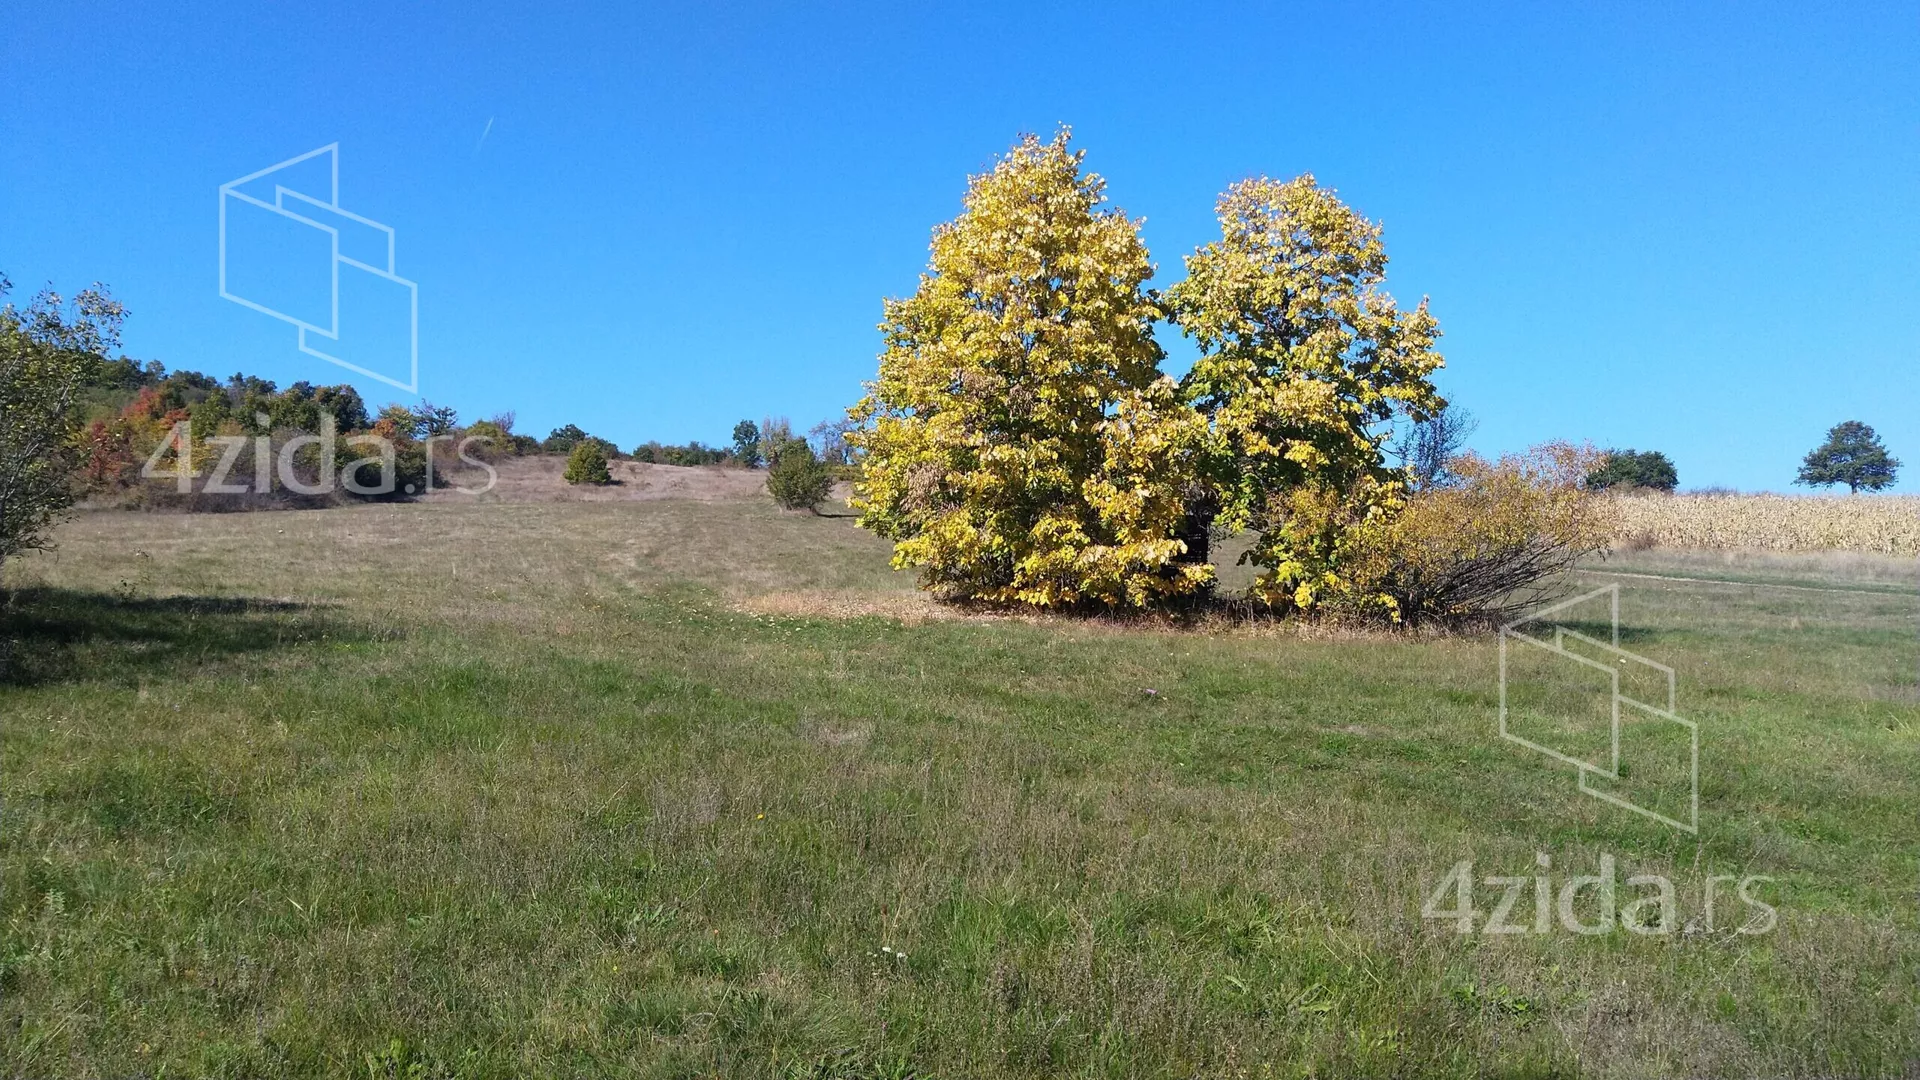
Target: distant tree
{"points": [[396, 421], [344, 402], [188, 387], [1430, 444], [563, 439], [829, 438], [241, 386], [296, 408], [499, 428], [206, 415], [48, 354], [252, 397], [746, 444], [122, 374], [1650, 469], [489, 437], [797, 479], [587, 463], [775, 432], [430, 419], [1852, 455]]}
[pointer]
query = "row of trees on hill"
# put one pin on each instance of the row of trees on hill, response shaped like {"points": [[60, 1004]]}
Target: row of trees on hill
{"points": [[129, 410]]}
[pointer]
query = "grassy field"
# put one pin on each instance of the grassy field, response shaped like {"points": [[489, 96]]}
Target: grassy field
{"points": [[680, 788]]}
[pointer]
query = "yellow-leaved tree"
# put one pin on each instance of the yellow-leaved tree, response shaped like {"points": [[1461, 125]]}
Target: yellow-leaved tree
{"points": [[1020, 443], [1304, 360]]}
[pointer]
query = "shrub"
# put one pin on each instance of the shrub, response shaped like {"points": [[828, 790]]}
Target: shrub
{"points": [[396, 424], [797, 479], [587, 464], [1493, 542], [500, 426], [488, 441], [1650, 470]]}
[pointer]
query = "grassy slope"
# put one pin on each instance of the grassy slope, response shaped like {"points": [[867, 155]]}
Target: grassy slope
{"points": [[525, 789]]}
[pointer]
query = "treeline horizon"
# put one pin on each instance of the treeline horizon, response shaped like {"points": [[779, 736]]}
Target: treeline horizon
{"points": [[126, 393]]}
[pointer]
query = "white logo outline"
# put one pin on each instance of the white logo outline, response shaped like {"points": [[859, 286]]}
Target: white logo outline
{"points": [[332, 206], [1611, 770]]}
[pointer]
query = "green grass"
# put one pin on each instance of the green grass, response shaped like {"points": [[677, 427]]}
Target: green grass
{"points": [[518, 790]]}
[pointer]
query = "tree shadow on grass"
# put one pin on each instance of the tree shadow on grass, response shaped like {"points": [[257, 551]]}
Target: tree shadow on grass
{"points": [[69, 635], [1598, 631]]}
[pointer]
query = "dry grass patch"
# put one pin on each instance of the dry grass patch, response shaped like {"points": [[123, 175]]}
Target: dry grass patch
{"points": [[907, 608]]}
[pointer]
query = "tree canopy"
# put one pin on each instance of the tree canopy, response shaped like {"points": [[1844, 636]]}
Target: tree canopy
{"points": [[49, 353], [1304, 358], [1852, 455], [1648, 469], [1020, 441]]}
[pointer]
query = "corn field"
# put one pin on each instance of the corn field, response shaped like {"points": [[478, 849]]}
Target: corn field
{"points": [[1887, 524]]}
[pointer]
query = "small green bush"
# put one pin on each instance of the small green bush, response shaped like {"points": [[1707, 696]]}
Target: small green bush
{"points": [[587, 464], [797, 479]]}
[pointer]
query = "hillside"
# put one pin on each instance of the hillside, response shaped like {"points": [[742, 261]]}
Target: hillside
{"points": [[537, 478]]}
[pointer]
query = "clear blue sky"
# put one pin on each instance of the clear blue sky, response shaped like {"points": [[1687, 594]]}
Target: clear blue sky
{"points": [[1697, 232]]}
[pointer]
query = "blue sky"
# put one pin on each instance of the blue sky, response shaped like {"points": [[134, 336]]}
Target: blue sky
{"points": [[1690, 231]]}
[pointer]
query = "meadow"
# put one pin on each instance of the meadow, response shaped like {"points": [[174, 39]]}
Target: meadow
{"points": [[684, 788]]}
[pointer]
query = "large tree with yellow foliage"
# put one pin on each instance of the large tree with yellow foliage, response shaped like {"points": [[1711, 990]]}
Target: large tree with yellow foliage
{"points": [[1020, 443], [1304, 360]]}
